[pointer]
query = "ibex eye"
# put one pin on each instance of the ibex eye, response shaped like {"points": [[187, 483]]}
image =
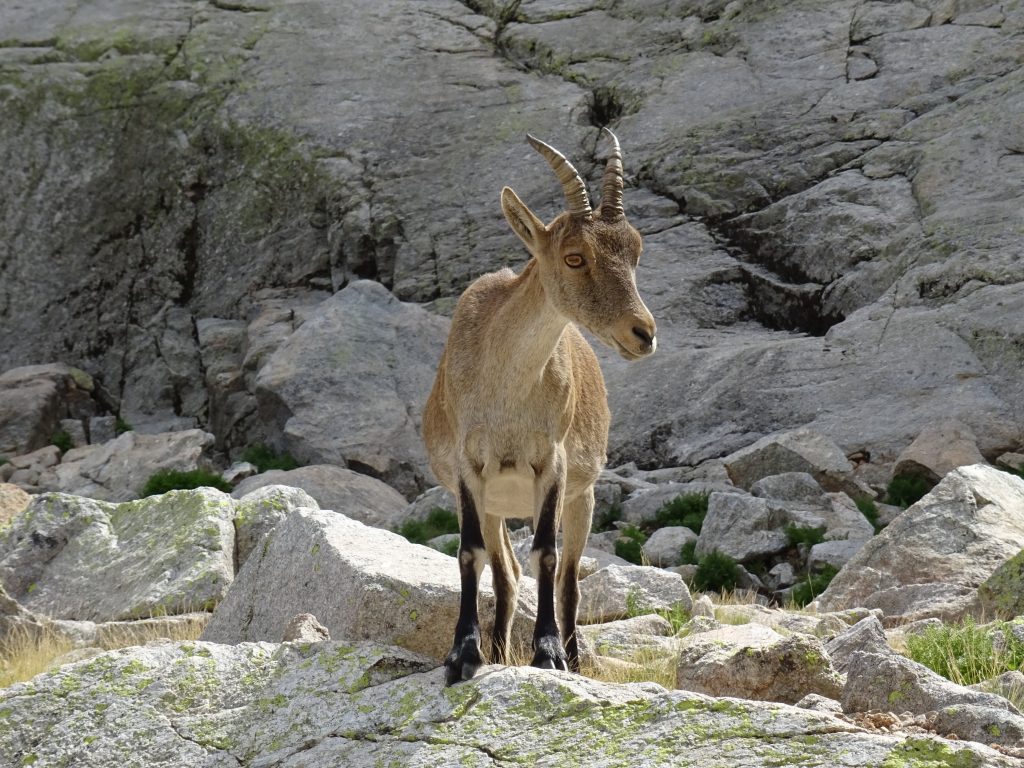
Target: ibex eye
{"points": [[574, 260]]}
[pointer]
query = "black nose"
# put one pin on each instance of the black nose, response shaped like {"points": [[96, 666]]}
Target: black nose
{"points": [[643, 335]]}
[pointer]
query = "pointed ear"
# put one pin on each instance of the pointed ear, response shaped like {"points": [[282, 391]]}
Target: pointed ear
{"points": [[530, 229]]}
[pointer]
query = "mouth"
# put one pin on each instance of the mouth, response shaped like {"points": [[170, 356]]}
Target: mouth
{"points": [[632, 353]]}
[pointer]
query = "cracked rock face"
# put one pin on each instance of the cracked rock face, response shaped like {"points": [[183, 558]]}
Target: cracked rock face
{"points": [[333, 703], [827, 193]]}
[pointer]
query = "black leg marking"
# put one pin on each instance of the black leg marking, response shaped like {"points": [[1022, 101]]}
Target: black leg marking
{"points": [[464, 659], [569, 600], [547, 646]]}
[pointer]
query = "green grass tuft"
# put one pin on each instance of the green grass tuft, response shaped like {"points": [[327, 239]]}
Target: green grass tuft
{"points": [[265, 458], [677, 616], [716, 571], [121, 426], [815, 583], [904, 490], [869, 509], [688, 553], [688, 509], [437, 522], [967, 653], [62, 440], [802, 534], [629, 545], [172, 480]]}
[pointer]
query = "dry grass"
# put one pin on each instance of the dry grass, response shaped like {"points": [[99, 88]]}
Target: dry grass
{"points": [[27, 652], [646, 666]]}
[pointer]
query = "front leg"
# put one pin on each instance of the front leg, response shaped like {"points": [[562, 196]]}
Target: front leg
{"points": [[547, 645], [465, 659]]}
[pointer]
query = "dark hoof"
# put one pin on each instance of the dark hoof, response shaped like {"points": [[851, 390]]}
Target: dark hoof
{"points": [[548, 654], [463, 661]]}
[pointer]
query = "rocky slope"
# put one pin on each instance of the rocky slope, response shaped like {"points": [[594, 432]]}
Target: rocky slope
{"points": [[828, 193]]}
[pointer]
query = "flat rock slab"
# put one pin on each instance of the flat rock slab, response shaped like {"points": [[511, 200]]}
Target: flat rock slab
{"points": [[320, 705], [72, 558], [360, 582]]}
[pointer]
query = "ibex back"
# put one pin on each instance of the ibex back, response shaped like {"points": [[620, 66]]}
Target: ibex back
{"points": [[517, 422]]}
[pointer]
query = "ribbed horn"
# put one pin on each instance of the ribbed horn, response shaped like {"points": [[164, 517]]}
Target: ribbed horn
{"points": [[611, 184], [573, 186]]}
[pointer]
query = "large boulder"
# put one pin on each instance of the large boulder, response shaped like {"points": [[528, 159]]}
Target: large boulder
{"points": [[356, 495], [801, 450], [938, 450], [259, 511], [324, 704], [72, 558], [892, 683], [617, 591], [931, 560], [118, 470], [1002, 593], [751, 661], [360, 582], [348, 387]]}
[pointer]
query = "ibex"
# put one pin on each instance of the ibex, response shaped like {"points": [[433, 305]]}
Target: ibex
{"points": [[516, 425]]}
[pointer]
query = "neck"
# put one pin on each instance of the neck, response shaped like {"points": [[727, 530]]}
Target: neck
{"points": [[529, 329]]}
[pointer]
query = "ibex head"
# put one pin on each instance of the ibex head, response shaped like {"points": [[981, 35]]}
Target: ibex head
{"points": [[588, 259]]}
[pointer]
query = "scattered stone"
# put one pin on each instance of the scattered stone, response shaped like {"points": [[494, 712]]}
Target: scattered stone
{"points": [[305, 628], [643, 504], [790, 486], [352, 494], [616, 591], [931, 560], [818, 703], [238, 472], [437, 497], [73, 558], [986, 725], [43, 458], [360, 582], [102, 429], [751, 661], [703, 606], [866, 635], [75, 429], [801, 450], [1012, 461], [780, 576], [743, 527], [820, 625], [118, 470], [33, 400], [663, 548], [446, 542], [890, 682], [835, 553], [627, 639], [938, 450]]}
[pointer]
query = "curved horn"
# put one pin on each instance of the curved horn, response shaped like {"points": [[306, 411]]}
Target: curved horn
{"points": [[611, 184], [573, 186]]}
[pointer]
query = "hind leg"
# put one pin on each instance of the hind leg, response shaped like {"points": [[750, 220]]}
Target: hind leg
{"points": [[576, 519], [505, 571]]}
